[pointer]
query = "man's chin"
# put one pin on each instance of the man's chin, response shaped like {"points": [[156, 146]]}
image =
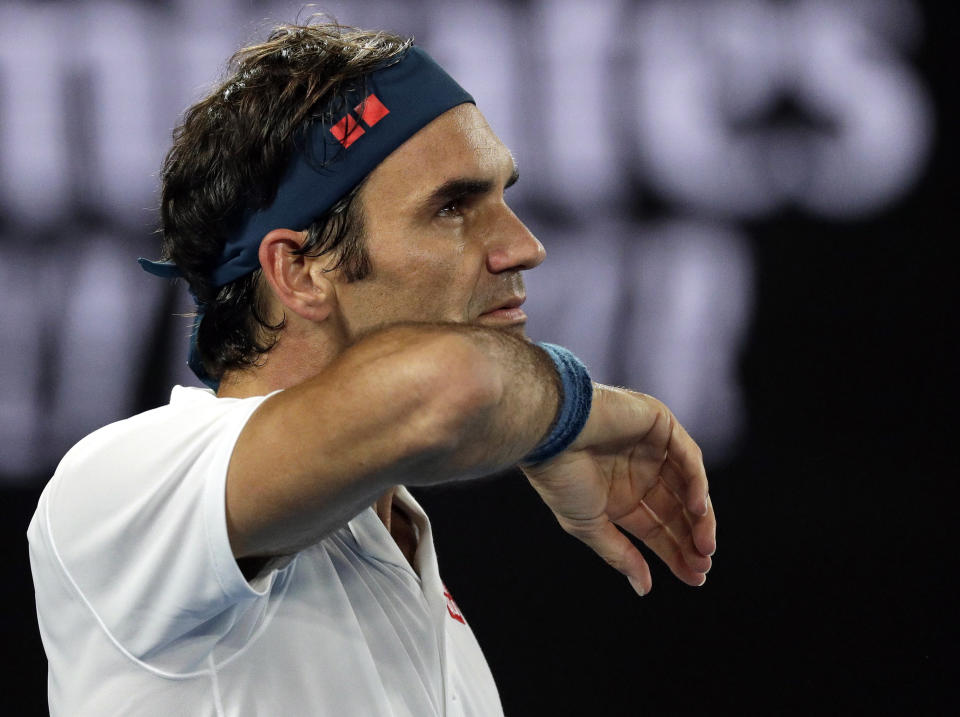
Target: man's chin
{"points": [[519, 331]]}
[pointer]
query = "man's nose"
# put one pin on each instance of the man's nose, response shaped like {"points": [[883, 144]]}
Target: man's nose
{"points": [[512, 246]]}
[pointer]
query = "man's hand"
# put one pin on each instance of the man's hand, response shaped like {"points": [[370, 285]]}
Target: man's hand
{"points": [[633, 466]]}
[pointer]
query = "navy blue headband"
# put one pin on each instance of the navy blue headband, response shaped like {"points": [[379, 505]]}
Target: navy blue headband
{"points": [[336, 154], [332, 157]]}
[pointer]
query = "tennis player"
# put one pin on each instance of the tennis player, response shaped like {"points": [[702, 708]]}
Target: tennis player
{"points": [[336, 207]]}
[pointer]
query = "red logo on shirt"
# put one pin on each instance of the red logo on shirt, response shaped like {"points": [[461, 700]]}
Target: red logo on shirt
{"points": [[452, 607], [349, 130]]}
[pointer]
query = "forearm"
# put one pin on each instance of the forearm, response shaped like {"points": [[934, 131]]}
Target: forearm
{"points": [[413, 404], [515, 398]]}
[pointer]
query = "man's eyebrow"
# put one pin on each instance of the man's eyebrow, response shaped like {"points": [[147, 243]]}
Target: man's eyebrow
{"points": [[461, 188]]}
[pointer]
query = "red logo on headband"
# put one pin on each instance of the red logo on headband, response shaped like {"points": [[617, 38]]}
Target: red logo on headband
{"points": [[348, 130]]}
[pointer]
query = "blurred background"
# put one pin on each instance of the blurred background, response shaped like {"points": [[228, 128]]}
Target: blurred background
{"points": [[747, 207]]}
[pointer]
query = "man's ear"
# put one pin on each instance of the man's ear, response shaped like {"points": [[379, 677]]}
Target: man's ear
{"points": [[297, 281]]}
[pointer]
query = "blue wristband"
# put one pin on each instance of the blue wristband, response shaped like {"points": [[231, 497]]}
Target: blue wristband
{"points": [[574, 409]]}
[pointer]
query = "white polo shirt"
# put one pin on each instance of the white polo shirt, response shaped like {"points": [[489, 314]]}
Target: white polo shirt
{"points": [[143, 610]]}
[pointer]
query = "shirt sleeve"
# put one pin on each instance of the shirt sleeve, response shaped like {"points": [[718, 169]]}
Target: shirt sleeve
{"points": [[137, 521]]}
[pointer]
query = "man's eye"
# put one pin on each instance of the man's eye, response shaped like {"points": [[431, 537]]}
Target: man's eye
{"points": [[450, 209]]}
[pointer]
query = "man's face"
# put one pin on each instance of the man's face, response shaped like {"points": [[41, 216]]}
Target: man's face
{"points": [[443, 244]]}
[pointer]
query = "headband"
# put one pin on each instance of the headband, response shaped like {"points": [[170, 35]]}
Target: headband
{"points": [[336, 154], [331, 158]]}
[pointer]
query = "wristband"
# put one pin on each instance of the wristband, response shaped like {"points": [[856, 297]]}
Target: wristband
{"points": [[574, 407]]}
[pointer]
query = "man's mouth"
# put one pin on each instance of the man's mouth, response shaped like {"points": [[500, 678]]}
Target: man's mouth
{"points": [[506, 312]]}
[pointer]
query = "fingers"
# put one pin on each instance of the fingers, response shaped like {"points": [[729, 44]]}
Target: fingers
{"points": [[690, 481], [702, 528], [664, 508], [686, 564], [615, 549], [687, 456], [705, 531]]}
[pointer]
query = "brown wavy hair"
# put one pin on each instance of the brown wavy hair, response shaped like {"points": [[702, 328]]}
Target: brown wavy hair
{"points": [[228, 156]]}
